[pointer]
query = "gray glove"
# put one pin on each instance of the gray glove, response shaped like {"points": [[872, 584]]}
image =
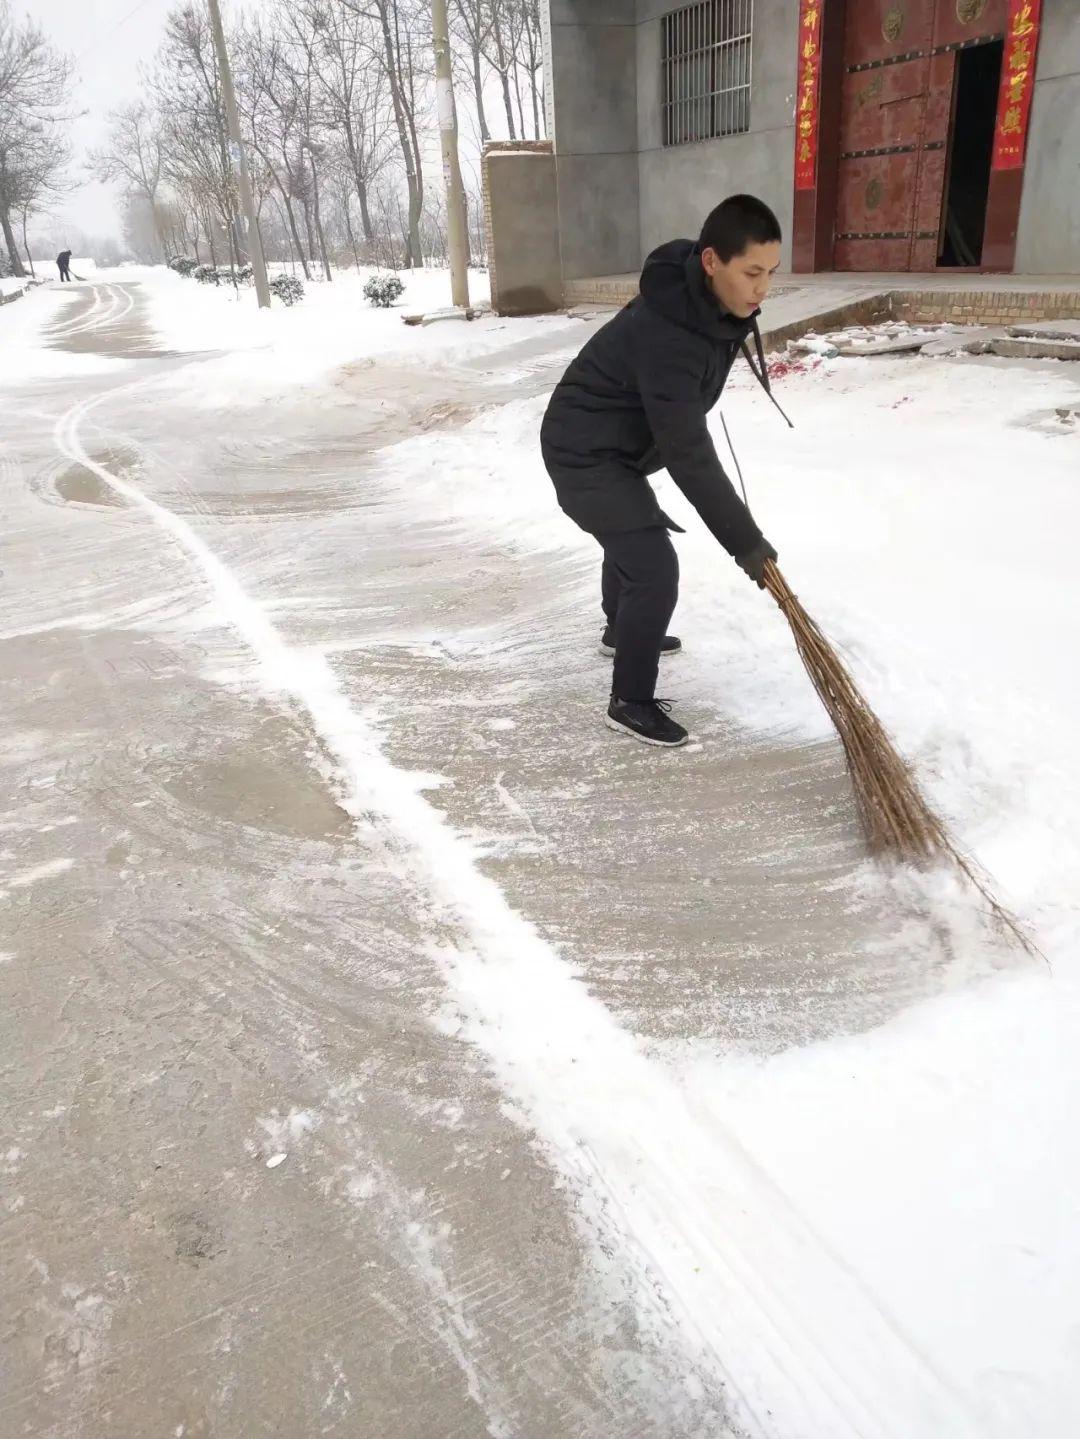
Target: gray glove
{"points": [[753, 562]]}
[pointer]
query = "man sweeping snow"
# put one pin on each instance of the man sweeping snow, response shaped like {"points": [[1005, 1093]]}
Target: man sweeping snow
{"points": [[634, 402]]}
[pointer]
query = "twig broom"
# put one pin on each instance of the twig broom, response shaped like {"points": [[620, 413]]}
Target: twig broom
{"points": [[895, 817]]}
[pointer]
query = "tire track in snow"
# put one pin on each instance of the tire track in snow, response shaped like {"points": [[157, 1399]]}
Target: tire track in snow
{"points": [[123, 302], [120, 303], [59, 327], [801, 1346], [97, 316]]}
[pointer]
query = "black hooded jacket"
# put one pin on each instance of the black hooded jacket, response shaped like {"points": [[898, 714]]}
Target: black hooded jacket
{"points": [[635, 401]]}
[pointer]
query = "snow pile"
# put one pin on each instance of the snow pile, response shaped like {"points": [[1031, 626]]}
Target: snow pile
{"points": [[892, 337]]}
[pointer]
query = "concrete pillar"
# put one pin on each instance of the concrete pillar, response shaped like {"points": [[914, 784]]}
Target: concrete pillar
{"points": [[594, 104], [1048, 238]]}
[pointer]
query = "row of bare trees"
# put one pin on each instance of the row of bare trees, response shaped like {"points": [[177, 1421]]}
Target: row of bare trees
{"points": [[34, 123], [336, 102]]}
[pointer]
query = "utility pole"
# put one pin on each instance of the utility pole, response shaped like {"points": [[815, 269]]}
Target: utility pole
{"points": [[239, 161], [457, 234]]}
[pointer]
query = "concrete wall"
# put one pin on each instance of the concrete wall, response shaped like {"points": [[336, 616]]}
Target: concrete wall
{"points": [[594, 96], [679, 185], [621, 193], [1048, 240], [521, 213]]}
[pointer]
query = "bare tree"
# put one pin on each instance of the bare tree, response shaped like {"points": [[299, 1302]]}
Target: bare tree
{"points": [[333, 98], [270, 109], [301, 104], [531, 46], [34, 85], [514, 45], [499, 54], [354, 91], [402, 42], [133, 155], [39, 182], [305, 93], [472, 27], [194, 140]]}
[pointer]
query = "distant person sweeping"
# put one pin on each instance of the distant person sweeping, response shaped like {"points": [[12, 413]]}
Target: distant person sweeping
{"points": [[63, 260], [635, 401]]}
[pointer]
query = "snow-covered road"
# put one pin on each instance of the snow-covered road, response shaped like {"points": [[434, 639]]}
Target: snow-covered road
{"points": [[617, 1094]]}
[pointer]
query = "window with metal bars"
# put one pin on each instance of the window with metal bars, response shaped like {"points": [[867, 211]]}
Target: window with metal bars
{"points": [[706, 62]]}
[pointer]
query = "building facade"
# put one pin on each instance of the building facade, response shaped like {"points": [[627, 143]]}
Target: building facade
{"points": [[888, 135]]}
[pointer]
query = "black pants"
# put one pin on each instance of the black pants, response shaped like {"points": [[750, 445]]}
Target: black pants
{"points": [[65, 273], [640, 588]]}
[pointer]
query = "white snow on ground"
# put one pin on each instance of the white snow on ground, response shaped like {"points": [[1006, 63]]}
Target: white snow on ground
{"points": [[876, 1235], [190, 316], [925, 525], [269, 352], [251, 354], [25, 326], [926, 514], [652, 1177]]}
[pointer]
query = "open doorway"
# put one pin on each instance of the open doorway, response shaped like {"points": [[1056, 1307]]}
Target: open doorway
{"points": [[978, 76]]}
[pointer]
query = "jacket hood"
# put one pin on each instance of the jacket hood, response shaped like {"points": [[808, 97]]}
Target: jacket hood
{"points": [[673, 284]]}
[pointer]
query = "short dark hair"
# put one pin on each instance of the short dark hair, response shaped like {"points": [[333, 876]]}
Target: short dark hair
{"points": [[737, 222]]}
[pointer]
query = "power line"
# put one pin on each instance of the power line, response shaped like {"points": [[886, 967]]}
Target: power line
{"points": [[100, 39]]}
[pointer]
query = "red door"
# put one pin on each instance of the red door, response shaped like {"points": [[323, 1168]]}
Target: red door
{"points": [[896, 109]]}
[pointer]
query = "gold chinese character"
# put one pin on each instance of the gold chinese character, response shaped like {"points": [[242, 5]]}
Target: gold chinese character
{"points": [[811, 19], [1010, 124], [1021, 55], [804, 150], [1024, 25], [809, 50], [807, 101], [806, 125]]}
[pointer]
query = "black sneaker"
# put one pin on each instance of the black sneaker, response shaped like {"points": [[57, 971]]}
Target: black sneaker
{"points": [[671, 645], [647, 721]]}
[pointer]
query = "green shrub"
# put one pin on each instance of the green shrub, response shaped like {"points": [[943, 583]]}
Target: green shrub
{"points": [[384, 290]]}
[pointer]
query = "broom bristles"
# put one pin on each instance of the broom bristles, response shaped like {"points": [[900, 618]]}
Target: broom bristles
{"points": [[895, 817]]}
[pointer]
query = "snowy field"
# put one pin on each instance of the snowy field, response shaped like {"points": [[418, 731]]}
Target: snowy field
{"points": [[872, 1233]]}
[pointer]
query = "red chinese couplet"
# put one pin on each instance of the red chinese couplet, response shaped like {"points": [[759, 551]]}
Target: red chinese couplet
{"points": [[1017, 83], [806, 105]]}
